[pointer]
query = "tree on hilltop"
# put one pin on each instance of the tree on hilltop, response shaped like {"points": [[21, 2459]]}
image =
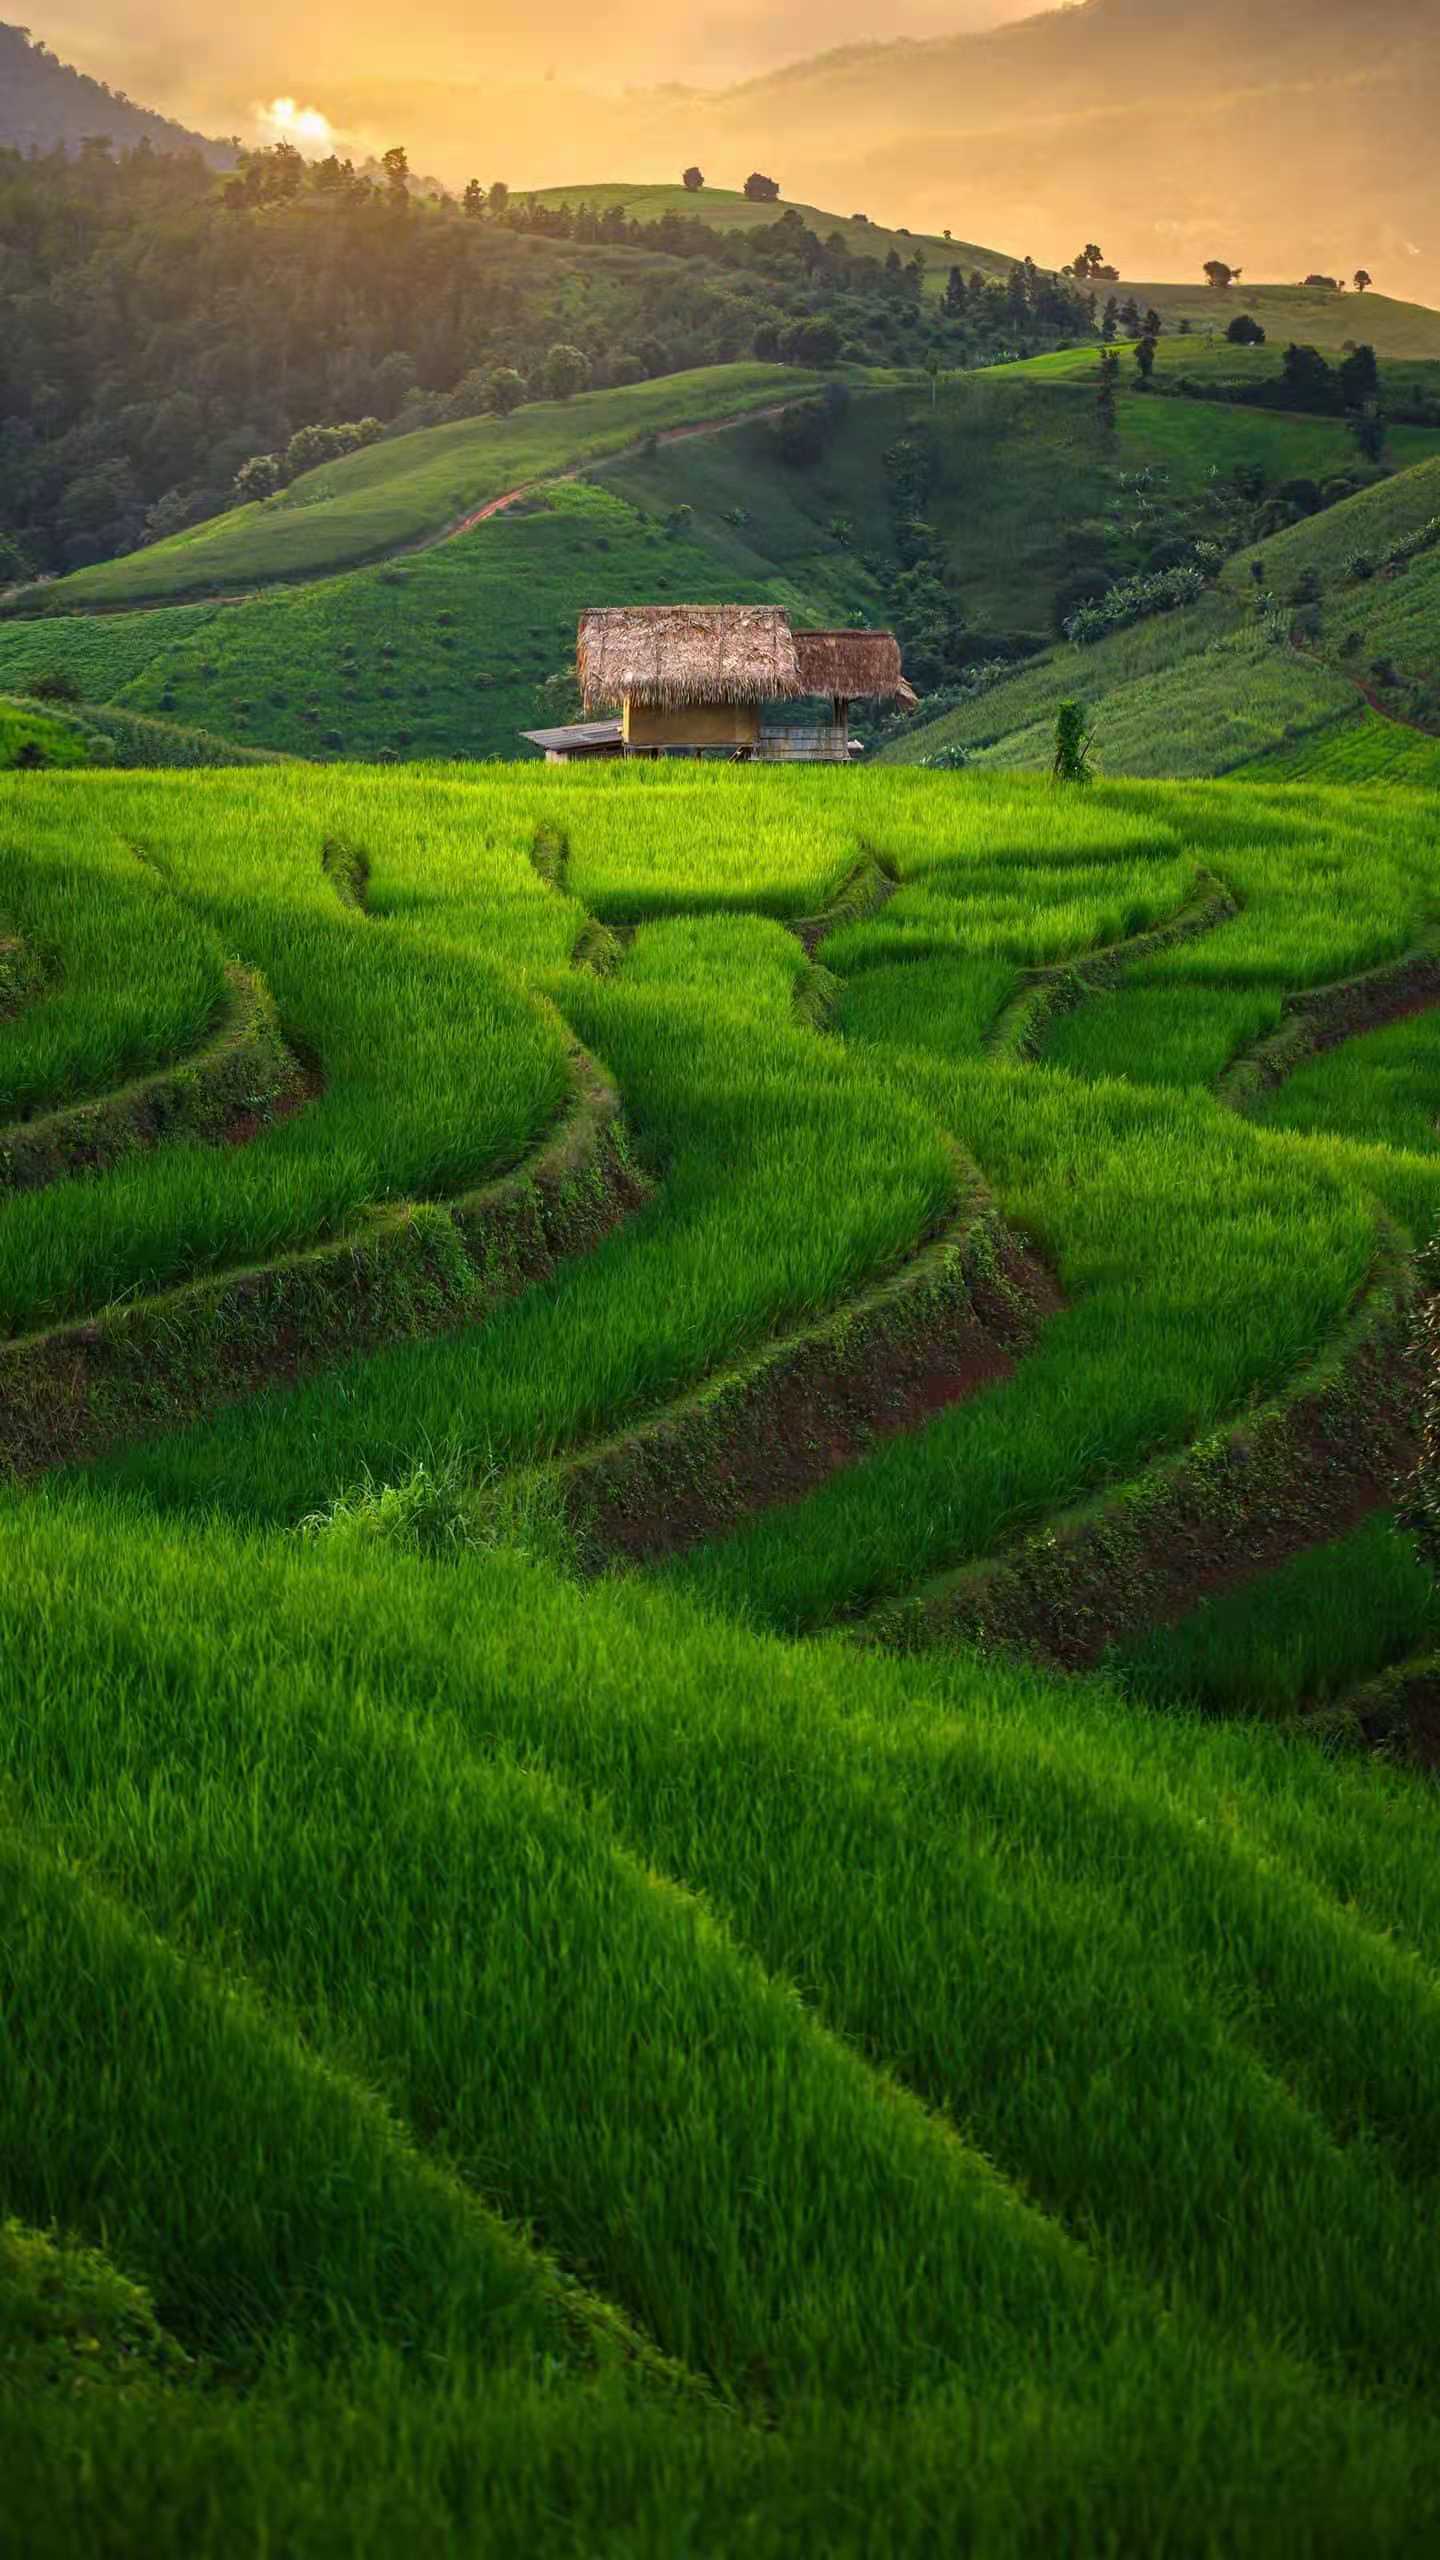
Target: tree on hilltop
{"points": [[692, 179], [1363, 279], [474, 199], [397, 175], [760, 189], [1220, 276]]}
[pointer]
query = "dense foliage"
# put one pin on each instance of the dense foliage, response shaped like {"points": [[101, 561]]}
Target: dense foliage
{"points": [[160, 327]]}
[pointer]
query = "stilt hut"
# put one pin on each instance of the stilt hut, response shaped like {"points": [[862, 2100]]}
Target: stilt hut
{"points": [[725, 680]]}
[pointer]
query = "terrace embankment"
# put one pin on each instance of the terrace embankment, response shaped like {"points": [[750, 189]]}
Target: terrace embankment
{"points": [[1285, 1477], [1044, 994], [422, 1267], [244, 1078], [1321, 1018], [1398, 1713], [864, 890], [773, 1428]]}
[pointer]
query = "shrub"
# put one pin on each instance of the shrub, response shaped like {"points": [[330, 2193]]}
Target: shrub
{"points": [[53, 684], [1132, 601], [1074, 743]]}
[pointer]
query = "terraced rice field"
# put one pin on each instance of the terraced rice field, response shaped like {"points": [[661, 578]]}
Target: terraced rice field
{"points": [[713, 1828]]}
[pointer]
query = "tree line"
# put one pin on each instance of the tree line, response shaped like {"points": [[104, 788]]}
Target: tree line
{"points": [[163, 326]]}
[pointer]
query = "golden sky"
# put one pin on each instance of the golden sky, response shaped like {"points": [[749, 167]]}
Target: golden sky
{"points": [[219, 69]]}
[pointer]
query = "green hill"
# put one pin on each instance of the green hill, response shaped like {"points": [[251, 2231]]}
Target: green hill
{"points": [[727, 209], [974, 512], [392, 496], [1334, 612], [492, 2038]]}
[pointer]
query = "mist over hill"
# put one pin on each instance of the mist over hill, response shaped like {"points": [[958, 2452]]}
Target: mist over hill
{"points": [[1281, 136], [1284, 137], [45, 103]]}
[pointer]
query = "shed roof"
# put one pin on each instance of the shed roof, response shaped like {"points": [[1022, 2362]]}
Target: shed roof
{"points": [[666, 654], [857, 666], [577, 737]]}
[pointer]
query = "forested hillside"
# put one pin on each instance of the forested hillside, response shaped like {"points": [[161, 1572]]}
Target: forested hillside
{"points": [[160, 327]]}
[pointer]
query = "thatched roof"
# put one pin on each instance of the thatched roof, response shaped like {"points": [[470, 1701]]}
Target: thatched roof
{"points": [[857, 666], [668, 654]]}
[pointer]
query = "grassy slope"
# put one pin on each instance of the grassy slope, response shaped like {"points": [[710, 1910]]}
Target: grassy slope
{"points": [[1331, 321], [1203, 690], [27, 730], [396, 493], [726, 209], [450, 646], [1130, 1885], [332, 1875], [1287, 311]]}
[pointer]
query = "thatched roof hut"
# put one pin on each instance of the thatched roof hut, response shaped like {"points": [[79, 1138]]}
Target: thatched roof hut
{"points": [[852, 666], [667, 655]]}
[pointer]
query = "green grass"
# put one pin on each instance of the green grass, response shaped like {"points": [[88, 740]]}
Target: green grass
{"points": [[399, 492], [442, 654], [26, 732], [1296, 1639], [405, 1111], [726, 209], [601, 2063], [550, 1817], [1359, 747], [1398, 330]]}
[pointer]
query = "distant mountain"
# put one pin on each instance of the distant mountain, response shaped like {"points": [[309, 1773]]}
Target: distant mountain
{"points": [[1281, 135], [45, 104]]}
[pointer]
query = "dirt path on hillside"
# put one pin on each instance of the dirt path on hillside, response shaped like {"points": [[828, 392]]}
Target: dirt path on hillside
{"points": [[428, 541], [1367, 693], [552, 479]]}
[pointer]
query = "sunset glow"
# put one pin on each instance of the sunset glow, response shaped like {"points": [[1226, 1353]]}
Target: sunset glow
{"points": [[297, 123]]}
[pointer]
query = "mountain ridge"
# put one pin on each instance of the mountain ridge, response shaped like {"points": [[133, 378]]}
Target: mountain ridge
{"points": [[47, 104]]}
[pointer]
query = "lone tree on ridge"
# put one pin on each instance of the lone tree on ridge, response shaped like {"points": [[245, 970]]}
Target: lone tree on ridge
{"points": [[692, 178]]}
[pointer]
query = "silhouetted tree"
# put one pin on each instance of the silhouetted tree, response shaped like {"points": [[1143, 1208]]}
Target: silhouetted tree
{"points": [[1359, 378], [760, 189], [474, 199], [1218, 274], [1363, 279], [693, 178]]}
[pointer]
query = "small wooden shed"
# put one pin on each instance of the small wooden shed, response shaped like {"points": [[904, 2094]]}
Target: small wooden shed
{"points": [[716, 679]]}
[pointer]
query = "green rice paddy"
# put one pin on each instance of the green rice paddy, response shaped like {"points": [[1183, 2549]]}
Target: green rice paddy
{"points": [[595, 2060]]}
